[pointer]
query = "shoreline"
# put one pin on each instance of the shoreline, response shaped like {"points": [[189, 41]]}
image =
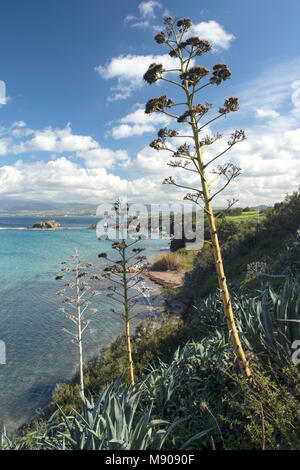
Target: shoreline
{"points": [[152, 309], [153, 313]]}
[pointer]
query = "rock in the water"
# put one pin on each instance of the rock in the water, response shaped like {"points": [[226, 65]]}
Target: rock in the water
{"points": [[93, 227], [103, 237], [46, 225]]}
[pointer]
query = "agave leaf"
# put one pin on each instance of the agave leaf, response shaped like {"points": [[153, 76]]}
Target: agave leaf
{"points": [[194, 438]]}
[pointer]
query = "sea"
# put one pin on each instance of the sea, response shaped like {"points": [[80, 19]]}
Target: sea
{"points": [[38, 352]]}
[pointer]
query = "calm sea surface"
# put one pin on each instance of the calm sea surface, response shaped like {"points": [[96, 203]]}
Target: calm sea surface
{"points": [[38, 353]]}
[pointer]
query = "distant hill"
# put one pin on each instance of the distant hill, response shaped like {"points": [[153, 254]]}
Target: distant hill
{"points": [[28, 207], [261, 207], [11, 206]]}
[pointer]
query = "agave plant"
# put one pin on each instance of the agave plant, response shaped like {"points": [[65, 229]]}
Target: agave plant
{"points": [[113, 422], [271, 321], [5, 442], [192, 378]]}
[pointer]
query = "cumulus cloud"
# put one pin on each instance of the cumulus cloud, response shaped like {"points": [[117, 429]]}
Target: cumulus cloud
{"points": [[273, 87], [18, 124], [138, 123], [266, 113], [264, 179], [147, 13], [3, 97], [4, 144], [55, 140], [147, 9], [213, 32], [124, 130], [296, 97], [103, 157], [56, 179], [150, 161], [129, 69], [62, 179], [269, 159]]}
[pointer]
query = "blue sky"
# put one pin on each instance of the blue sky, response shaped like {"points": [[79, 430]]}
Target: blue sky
{"points": [[72, 127]]}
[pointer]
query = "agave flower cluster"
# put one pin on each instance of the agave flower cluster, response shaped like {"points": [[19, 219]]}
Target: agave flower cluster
{"points": [[192, 79]]}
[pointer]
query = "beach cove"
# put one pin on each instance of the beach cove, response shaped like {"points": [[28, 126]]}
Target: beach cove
{"points": [[38, 353]]}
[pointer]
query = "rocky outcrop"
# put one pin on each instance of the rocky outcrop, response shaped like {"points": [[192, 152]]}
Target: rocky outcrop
{"points": [[169, 279], [46, 225]]}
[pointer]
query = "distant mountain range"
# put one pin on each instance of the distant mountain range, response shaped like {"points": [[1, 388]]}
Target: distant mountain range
{"points": [[10, 206], [14, 206]]}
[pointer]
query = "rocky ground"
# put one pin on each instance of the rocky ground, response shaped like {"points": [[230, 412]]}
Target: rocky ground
{"points": [[170, 279]]}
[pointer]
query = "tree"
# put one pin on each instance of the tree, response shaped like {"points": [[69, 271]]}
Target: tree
{"points": [[190, 157]]}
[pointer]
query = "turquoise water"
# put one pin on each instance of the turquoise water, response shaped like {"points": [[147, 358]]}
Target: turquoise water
{"points": [[38, 353]]}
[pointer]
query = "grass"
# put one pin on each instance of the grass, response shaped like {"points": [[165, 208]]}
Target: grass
{"points": [[182, 260], [246, 216], [168, 262]]}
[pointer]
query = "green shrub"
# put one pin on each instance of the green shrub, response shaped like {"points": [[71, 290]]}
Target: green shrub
{"points": [[266, 413], [168, 262]]}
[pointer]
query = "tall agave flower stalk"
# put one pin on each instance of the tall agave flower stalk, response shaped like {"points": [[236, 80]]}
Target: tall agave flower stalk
{"points": [[123, 278], [191, 155], [77, 294]]}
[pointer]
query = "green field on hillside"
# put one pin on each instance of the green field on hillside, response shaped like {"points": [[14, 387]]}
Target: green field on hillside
{"points": [[246, 216]]}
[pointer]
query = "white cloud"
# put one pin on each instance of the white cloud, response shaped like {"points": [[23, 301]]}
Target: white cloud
{"points": [[147, 9], [291, 141], [18, 124], [19, 129], [149, 160], [137, 123], [129, 69], [147, 13], [63, 179], [269, 158], [213, 32], [57, 141], [3, 97], [20, 132], [266, 113], [57, 179], [272, 88], [102, 157], [53, 140], [4, 144], [124, 130], [140, 117], [296, 96]]}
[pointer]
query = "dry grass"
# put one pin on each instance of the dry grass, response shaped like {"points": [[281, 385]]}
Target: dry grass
{"points": [[168, 262]]}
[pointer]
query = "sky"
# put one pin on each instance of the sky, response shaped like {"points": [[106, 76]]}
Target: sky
{"points": [[72, 98]]}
